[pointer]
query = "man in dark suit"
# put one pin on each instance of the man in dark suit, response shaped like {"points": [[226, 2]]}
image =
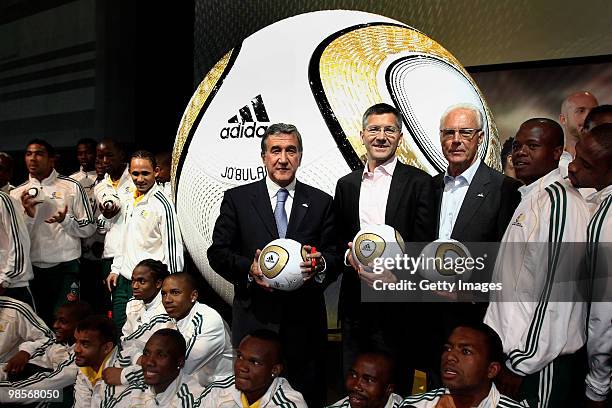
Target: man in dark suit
{"points": [[385, 192], [255, 214], [474, 202]]}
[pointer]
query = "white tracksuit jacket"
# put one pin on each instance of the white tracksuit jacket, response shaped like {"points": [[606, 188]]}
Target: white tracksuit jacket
{"points": [[151, 230], [15, 265], [393, 402], [54, 243], [430, 399], [599, 256], [534, 331]]}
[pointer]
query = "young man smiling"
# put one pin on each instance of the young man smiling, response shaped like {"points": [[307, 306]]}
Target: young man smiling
{"points": [[150, 230]]}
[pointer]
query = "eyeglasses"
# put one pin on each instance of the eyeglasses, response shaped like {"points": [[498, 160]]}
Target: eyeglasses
{"points": [[465, 133], [388, 130]]}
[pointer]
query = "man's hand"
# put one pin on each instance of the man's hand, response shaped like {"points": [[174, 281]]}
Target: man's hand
{"points": [[109, 211], [111, 281], [17, 363], [308, 271], [370, 277], [29, 204], [446, 401], [59, 217], [112, 375], [508, 382], [257, 274], [350, 258]]}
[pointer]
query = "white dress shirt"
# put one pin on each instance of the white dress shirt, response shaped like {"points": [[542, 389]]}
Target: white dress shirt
{"points": [[455, 189], [273, 191], [374, 193]]}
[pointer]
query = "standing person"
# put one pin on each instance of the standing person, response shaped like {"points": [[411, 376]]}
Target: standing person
{"points": [[506, 159], [257, 379], [388, 192], [541, 328], [112, 194], [150, 231], [60, 215], [6, 172], [574, 109], [90, 258], [164, 161], [370, 383], [592, 168], [252, 215], [474, 202], [15, 266]]}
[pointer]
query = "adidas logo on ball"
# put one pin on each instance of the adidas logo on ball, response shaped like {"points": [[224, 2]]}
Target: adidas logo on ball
{"points": [[247, 126], [279, 262]]}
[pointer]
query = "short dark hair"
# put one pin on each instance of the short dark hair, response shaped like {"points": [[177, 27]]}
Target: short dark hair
{"points": [[9, 159], [284, 128], [506, 151], [271, 337], [101, 324], [79, 310], [603, 136], [187, 277], [50, 150], [387, 356], [144, 154], [556, 131], [89, 142], [159, 269], [381, 109], [175, 337], [493, 341], [593, 113]]}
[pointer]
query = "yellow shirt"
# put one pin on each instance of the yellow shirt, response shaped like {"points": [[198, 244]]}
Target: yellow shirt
{"points": [[137, 196], [92, 375], [245, 402]]}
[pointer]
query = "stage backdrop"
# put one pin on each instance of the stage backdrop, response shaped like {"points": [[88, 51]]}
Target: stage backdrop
{"points": [[319, 71]]}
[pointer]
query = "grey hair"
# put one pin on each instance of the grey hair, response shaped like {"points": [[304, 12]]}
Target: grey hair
{"points": [[465, 106], [278, 128]]}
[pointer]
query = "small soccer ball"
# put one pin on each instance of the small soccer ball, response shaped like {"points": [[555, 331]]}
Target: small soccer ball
{"points": [[445, 260], [377, 241], [279, 262]]}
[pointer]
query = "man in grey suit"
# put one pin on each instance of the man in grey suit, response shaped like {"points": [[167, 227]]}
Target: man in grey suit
{"points": [[474, 202]]}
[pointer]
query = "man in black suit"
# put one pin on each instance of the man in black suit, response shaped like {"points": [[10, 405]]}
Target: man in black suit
{"points": [[474, 202], [255, 214], [385, 192]]}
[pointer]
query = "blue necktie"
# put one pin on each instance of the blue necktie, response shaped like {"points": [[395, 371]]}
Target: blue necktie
{"points": [[280, 215]]}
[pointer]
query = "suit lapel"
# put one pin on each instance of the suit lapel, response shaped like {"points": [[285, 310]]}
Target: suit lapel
{"points": [[396, 192], [300, 206], [474, 197], [261, 202], [438, 190], [355, 184]]}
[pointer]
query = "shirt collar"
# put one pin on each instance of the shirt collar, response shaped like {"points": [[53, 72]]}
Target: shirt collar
{"points": [[94, 376], [165, 398], [541, 182], [598, 196], [273, 187], [47, 181], [157, 300], [387, 167], [467, 175]]}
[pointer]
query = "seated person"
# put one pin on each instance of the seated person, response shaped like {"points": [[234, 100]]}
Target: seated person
{"points": [[167, 386], [256, 381], [209, 348], [18, 324], [145, 314], [370, 383], [472, 358], [95, 349], [46, 367]]}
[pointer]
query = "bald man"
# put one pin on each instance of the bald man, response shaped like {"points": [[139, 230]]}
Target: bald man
{"points": [[540, 325], [592, 168], [574, 110]]}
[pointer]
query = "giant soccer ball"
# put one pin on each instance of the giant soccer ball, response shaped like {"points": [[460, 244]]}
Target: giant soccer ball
{"points": [[319, 71]]}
